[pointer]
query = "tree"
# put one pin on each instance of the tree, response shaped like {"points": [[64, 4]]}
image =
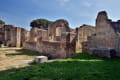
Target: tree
{"points": [[40, 23], [2, 22]]}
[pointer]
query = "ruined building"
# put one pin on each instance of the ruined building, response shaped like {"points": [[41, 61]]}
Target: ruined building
{"points": [[57, 41], [106, 37], [12, 36]]}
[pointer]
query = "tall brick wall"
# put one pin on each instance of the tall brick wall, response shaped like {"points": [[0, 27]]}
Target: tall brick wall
{"points": [[13, 36], [105, 36], [83, 32]]}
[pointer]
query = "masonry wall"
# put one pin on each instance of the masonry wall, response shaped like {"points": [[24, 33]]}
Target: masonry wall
{"points": [[57, 41], [54, 49], [1, 35], [18, 37], [10, 35], [30, 46], [13, 36], [105, 36], [56, 29], [24, 36], [83, 33]]}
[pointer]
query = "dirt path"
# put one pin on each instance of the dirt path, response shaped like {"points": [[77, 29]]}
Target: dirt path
{"points": [[12, 58]]}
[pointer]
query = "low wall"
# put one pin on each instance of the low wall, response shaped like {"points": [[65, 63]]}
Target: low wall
{"points": [[54, 49], [30, 45]]}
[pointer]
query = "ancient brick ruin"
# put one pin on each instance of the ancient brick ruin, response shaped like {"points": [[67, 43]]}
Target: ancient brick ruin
{"points": [[12, 36], [106, 37], [58, 40]]}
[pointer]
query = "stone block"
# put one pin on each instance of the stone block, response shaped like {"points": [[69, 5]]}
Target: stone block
{"points": [[41, 59]]}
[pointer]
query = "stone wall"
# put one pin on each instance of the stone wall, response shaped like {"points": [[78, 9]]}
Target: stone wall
{"points": [[1, 35], [30, 46], [105, 35], [33, 34], [54, 49], [10, 35], [83, 32], [42, 34], [24, 36], [57, 28], [18, 37], [13, 36], [57, 41]]}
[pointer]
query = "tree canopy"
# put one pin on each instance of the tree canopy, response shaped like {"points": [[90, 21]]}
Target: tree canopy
{"points": [[40, 22], [2, 22]]}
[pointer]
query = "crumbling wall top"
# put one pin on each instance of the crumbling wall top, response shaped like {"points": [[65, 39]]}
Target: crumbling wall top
{"points": [[102, 16]]}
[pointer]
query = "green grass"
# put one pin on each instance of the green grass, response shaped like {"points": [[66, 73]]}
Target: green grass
{"points": [[81, 67]]}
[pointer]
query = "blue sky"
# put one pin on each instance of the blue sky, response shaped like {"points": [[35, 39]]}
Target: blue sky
{"points": [[77, 12]]}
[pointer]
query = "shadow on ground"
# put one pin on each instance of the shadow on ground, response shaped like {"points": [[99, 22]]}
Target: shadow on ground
{"points": [[24, 52], [28, 53]]}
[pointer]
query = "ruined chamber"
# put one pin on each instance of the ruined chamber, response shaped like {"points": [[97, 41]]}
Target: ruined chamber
{"points": [[56, 41], [12, 36]]}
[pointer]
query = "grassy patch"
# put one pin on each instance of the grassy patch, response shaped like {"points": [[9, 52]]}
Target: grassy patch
{"points": [[81, 67]]}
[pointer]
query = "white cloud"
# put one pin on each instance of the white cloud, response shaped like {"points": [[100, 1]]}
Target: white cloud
{"points": [[63, 2], [87, 4]]}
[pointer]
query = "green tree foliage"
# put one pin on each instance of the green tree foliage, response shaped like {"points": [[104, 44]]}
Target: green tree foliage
{"points": [[40, 22], [2, 22]]}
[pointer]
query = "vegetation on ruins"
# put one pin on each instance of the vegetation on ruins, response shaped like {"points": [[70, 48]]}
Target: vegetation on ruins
{"points": [[81, 67], [2, 22], [40, 22]]}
